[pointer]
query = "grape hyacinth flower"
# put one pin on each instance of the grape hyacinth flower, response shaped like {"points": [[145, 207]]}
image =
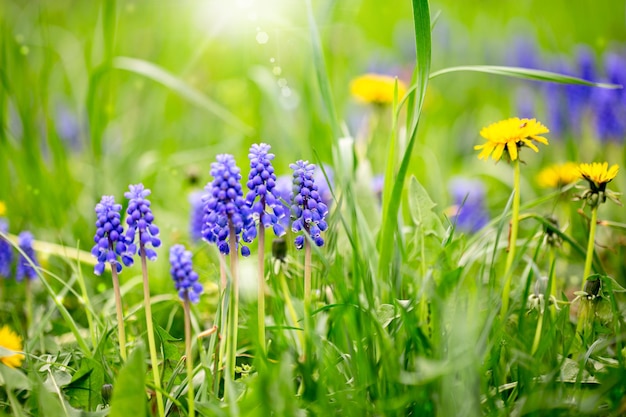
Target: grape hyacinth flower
{"points": [[226, 208], [196, 216], [24, 268], [307, 206], [109, 238], [189, 290], [111, 243], [610, 105], [266, 206], [261, 182], [185, 278], [6, 251], [140, 220]]}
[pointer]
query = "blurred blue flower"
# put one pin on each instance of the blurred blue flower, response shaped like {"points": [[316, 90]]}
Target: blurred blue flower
{"points": [[556, 102], [610, 105], [307, 205], [325, 183], [282, 191], [225, 206], [262, 184], [377, 185], [67, 126], [185, 278], [578, 96], [470, 214], [109, 238], [140, 221], [24, 268], [196, 216], [6, 251]]}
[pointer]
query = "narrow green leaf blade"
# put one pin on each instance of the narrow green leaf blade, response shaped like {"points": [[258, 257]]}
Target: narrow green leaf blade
{"points": [[524, 73], [169, 80], [421, 21], [421, 209], [129, 391]]}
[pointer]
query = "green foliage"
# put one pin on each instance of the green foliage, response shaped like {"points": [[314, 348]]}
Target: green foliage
{"points": [[129, 391], [85, 389]]}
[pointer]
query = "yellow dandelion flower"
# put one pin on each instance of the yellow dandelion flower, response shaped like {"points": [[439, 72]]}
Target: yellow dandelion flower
{"points": [[598, 174], [12, 342], [3, 208], [511, 134], [376, 88], [558, 175]]}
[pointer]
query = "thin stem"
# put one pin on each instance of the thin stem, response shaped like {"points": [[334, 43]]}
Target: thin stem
{"points": [[307, 292], [189, 359], [290, 308], [537, 333], [261, 289], [88, 311], [233, 305], [513, 238], [29, 305], [590, 244], [121, 332], [150, 329]]}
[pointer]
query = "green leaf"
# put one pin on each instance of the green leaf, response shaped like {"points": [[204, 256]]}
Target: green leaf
{"points": [[421, 208], [169, 80], [609, 283], [85, 389], [168, 344], [129, 391], [13, 379], [524, 73], [421, 21], [386, 313]]}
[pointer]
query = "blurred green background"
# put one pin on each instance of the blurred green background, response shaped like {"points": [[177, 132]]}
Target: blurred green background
{"points": [[210, 77]]}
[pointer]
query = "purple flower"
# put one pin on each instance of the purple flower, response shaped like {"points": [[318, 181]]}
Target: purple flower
{"points": [[24, 268], [196, 216], [556, 102], [139, 221], [6, 251], [226, 208], [307, 206], [262, 195], [282, 191], [109, 238], [324, 184], [578, 96], [469, 198], [610, 105], [185, 278]]}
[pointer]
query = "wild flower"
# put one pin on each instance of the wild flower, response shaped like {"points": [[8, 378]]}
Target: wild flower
{"points": [[469, 211], [376, 88], [140, 221], [6, 251], [11, 341], [196, 215], [109, 238], [226, 208], [307, 207], [262, 199], [511, 134], [558, 175], [610, 105], [24, 268], [185, 278], [324, 179], [598, 175]]}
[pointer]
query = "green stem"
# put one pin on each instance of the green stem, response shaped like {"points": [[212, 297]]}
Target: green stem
{"points": [[261, 289], [590, 244], [290, 308], [119, 311], [29, 305], [513, 238], [233, 305], [150, 329], [538, 332], [307, 292], [189, 359]]}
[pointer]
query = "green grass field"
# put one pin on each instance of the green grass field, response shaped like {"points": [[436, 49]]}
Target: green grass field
{"points": [[446, 284]]}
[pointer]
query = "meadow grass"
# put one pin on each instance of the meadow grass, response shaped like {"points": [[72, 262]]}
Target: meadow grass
{"points": [[403, 311]]}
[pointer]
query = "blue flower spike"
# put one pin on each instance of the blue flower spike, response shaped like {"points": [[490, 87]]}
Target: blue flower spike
{"points": [[262, 184], [109, 239], [225, 206], [185, 278], [140, 220], [308, 209], [24, 268]]}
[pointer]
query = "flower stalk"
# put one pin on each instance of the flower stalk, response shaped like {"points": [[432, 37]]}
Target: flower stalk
{"points": [[189, 359], [121, 332], [590, 244], [512, 239]]}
